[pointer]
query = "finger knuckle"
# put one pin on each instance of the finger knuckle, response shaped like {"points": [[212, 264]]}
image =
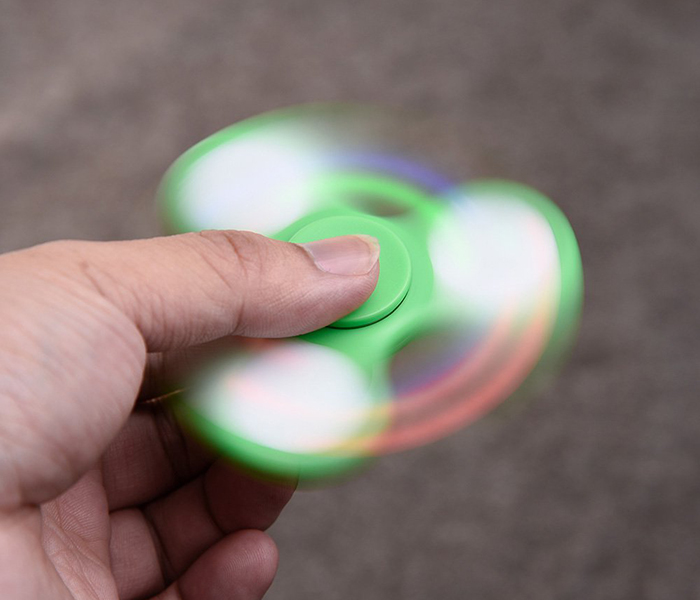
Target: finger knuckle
{"points": [[237, 253]]}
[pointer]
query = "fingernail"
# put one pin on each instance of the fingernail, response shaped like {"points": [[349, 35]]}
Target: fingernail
{"points": [[346, 255]]}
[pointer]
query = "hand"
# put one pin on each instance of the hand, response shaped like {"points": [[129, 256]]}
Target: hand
{"points": [[99, 499]]}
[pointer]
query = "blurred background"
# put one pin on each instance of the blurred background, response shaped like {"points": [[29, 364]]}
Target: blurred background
{"points": [[593, 491]]}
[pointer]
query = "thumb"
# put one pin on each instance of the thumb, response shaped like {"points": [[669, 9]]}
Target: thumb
{"points": [[191, 288]]}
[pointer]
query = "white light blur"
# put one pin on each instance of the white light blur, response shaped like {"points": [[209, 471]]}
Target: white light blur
{"points": [[296, 397], [259, 183], [495, 251]]}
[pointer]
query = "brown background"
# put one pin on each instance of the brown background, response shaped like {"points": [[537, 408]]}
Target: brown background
{"points": [[594, 491]]}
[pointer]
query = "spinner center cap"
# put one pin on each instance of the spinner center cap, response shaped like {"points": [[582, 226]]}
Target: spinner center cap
{"points": [[394, 264]]}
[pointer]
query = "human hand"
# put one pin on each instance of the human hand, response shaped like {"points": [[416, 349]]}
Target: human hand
{"points": [[101, 500]]}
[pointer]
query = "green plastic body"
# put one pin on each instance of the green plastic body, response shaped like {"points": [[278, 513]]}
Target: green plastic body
{"points": [[405, 304]]}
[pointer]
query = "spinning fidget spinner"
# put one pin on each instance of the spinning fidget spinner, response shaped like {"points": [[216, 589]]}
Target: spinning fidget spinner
{"points": [[478, 296]]}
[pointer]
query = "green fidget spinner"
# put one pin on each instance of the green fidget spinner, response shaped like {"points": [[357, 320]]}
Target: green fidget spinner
{"points": [[478, 297]]}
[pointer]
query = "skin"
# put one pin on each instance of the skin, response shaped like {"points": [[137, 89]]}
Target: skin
{"points": [[102, 496]]}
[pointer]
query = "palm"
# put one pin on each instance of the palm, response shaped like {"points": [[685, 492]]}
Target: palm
{"points": [[156, 503]]}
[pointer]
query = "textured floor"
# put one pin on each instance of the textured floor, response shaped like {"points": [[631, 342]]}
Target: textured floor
{"points": [[594, 491]]}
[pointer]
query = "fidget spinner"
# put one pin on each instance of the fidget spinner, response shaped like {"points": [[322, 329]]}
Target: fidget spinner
{"points": [[478, 297]]}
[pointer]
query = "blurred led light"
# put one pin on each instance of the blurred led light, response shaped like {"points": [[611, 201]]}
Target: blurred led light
{"points": [[260, 181], [295, 397], [492, 252], [401, 168]]}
